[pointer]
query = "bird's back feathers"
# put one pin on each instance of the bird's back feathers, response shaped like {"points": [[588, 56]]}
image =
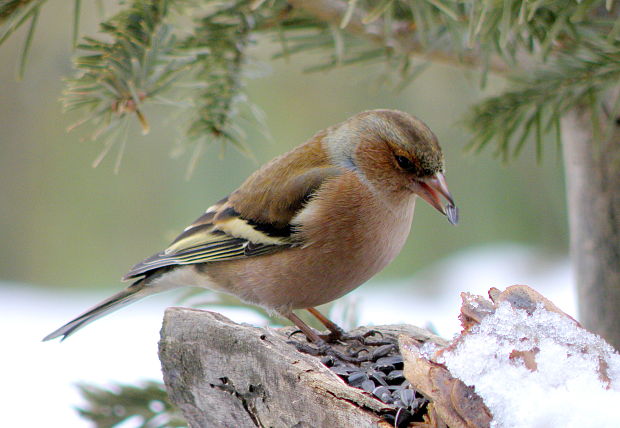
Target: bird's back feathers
{"points": [[233, 229]]}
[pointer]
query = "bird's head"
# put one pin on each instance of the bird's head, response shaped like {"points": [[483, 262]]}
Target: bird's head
{"points": [[397, 154]]}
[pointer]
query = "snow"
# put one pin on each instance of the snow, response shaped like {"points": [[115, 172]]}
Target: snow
{"points": [[565, 390]]}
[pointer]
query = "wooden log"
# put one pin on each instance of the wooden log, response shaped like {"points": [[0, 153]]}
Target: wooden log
{"points": [[223, 374]]}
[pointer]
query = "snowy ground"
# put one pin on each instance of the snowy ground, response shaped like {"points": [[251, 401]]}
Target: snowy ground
{"points": [[38, 378]]}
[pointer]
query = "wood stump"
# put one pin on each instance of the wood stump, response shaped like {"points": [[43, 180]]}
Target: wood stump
{"points": [[223, 374]]}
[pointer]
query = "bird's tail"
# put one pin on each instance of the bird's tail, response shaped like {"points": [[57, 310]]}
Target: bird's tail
{"points": [[135, 291]]}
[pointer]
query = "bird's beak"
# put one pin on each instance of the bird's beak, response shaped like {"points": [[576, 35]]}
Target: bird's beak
{"points": [[431, 190]]}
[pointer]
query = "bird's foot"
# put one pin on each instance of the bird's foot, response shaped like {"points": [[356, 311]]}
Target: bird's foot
{"points": [[342, 336], [336, 334], [364, 338], [331, 337], [323, 349], [339, 335], [293, 333]]}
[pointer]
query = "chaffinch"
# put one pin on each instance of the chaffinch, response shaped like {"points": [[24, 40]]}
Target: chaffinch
{"points": [[307, 227]]}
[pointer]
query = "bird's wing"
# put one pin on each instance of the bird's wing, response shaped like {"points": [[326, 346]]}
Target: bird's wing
{"points": [[225, 232]]}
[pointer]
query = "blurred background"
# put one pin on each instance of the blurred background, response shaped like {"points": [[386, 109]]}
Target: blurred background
{"points": [[70, 231]]}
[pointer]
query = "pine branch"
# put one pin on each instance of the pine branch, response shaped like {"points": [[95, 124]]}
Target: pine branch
{"points": [[146, 56], [481, 34], [408, 28], [116, 78], [225, 33], [147, 406], [147, 62], [14, 13], [539, 99]]}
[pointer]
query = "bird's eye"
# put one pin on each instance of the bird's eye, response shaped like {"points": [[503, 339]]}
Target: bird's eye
{"points": [[404, 163]]}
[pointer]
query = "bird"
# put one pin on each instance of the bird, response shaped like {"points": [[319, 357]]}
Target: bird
{"points": [[306, 228]]}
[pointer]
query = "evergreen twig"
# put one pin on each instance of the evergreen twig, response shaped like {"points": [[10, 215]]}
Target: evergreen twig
{"points": [[552, 47], [534, 105], [147, 405]]}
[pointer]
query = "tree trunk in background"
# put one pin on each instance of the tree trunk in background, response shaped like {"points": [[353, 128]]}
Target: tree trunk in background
{"points": [[593, 191]]}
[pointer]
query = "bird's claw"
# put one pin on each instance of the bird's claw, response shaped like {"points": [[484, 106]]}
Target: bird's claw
{"points": [[371, 332], [332, 337], [293, 333], [305, 348], [336, 334], [342, 336], [324, 349]]}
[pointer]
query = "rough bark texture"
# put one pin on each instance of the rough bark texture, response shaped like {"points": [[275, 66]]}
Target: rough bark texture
{"points": [[593, 190], [222, 374]]}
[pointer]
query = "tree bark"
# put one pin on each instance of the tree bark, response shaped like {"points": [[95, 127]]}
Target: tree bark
{"points": [[223, 374], [593, 191]]}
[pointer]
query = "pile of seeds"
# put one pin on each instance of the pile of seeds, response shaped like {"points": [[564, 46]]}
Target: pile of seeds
{"points": [[381, 374]]}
